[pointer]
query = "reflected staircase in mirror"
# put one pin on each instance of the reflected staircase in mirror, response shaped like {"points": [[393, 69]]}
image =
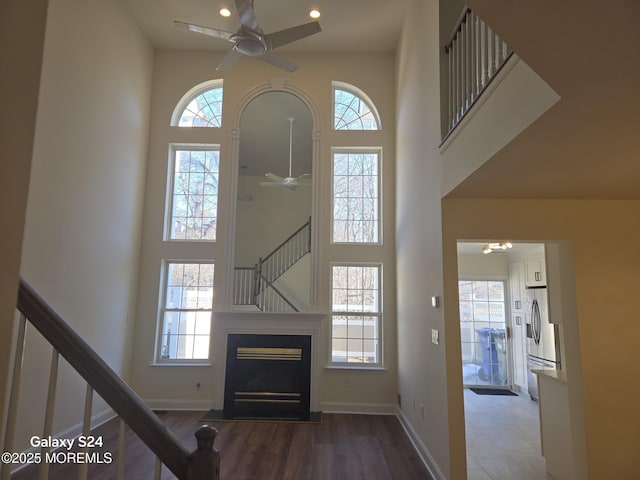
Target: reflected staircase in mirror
{"points": [[255, 286]]}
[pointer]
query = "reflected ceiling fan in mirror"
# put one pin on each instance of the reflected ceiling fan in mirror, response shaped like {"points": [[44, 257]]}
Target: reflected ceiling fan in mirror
{"points": [[289, 182], [251, 41]]}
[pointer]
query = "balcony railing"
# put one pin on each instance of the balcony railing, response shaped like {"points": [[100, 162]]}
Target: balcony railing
{"points": [[475, 54]]}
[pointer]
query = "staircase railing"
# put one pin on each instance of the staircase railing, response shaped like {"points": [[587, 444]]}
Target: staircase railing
{"points": [[255, 285], [202, 464], [475, 55]]}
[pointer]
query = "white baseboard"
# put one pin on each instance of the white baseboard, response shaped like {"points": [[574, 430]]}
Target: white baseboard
{"points": [[170, 404], [365, 408], [424, 454]]}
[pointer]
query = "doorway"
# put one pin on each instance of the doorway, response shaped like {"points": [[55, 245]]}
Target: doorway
{"points": [[483, 333]]}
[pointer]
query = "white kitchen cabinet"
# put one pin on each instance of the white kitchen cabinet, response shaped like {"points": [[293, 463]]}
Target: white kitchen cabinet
{"points": [[518, 325], [516, 286], [519, 346], [535, 272]]}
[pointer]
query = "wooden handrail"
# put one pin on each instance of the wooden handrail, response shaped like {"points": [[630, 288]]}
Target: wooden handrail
{"points": [[275, 250], [113, 390]]}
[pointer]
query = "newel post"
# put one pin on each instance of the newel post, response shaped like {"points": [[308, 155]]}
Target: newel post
{"points": [[204, 462]]}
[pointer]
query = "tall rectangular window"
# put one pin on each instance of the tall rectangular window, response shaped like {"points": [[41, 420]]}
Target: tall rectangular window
{"points": [[356, 195], [194, 194], [186, 311], [356, 314]]}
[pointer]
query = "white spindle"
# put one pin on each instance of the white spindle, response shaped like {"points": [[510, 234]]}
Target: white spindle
{"points": [[494, 54], [86, 429], [500, 51], [10, 427], [43, 473], [473, 55], [485, 59], [121, 449], [467, 60], [157, 472], [451, 89], [458, 92], [478, 53]]}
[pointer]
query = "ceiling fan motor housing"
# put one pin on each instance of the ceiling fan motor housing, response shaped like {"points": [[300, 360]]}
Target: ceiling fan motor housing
{"points": [[250, 43]]}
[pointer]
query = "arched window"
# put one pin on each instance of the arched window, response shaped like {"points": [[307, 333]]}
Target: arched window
{"points": [[352, 109], [200, 107]]}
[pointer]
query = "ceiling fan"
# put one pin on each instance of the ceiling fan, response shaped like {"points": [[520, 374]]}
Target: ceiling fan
{"points": [[287, 182], [250, 40]]}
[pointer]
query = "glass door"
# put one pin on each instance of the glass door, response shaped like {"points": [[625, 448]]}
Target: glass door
{"points": [[483, 333]]}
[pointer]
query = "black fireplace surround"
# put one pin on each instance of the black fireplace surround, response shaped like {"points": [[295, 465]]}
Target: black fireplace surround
{"points": [[267, 376]]}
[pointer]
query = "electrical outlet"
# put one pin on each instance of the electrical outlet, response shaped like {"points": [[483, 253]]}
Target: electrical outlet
{"points": [[435, 336]]}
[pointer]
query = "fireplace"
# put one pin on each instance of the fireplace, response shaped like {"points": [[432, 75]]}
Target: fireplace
{"points": [[268, 376]]}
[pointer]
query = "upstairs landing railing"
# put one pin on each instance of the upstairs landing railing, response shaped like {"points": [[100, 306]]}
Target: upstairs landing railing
{"points": [[255, 285], [201, 464], [475, 54]]}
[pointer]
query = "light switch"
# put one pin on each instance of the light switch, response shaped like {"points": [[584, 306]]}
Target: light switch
{"points": [[435, 301], [435, 336]]}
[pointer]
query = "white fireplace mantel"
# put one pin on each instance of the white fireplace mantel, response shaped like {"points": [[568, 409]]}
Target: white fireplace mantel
{"points": [[267, 323]]}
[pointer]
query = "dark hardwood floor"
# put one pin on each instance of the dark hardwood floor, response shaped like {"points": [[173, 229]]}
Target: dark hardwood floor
{"points": [[341, 447]]}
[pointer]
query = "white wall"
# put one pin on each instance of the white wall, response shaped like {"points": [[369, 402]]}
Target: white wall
{"points": [[424, 380], [82, 234], [479, 265], [515, 98], [176, 73]]}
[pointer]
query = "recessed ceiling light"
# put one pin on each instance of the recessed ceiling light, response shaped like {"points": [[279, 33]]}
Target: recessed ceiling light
{"points": [[314, 13], [225, 12]]}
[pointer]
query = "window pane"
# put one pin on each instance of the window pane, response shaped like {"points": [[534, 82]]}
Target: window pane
{"points": [[205, 110], [355, 334], [194, 207], [352, 112], [355, 198], [186, 321]]}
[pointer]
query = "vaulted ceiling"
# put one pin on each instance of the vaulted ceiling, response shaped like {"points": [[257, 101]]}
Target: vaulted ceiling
{"points": [[585, 146], [367, 26]]}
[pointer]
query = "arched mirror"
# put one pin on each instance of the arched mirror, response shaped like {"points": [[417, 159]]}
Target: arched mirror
{"points": [[272, 240]]}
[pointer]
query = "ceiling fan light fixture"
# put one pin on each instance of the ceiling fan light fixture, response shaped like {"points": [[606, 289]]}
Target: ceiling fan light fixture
{"points": [[314, 13], [225, 12], [496, 246]]}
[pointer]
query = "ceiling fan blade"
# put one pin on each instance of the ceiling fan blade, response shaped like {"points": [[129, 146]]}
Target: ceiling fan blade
{"points": [[274, 177], [302, 176], [247, 15], [277, 61], [211, 32], [229, 59], [288, 35]]}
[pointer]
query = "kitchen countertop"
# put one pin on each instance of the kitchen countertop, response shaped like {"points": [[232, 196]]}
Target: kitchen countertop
{"points": [[558, 375]]}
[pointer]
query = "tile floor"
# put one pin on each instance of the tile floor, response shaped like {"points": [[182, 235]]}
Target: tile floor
{"points": [[503, 438]]}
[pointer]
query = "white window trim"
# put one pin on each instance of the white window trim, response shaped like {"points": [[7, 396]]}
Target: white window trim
{"points": [[157, 356], [377, 150], [173, 147], [347, 87], [189, 96], [378, 366]]}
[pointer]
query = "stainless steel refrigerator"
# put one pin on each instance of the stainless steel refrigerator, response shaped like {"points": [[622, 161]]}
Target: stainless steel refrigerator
{"points": [[542, 338]]}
